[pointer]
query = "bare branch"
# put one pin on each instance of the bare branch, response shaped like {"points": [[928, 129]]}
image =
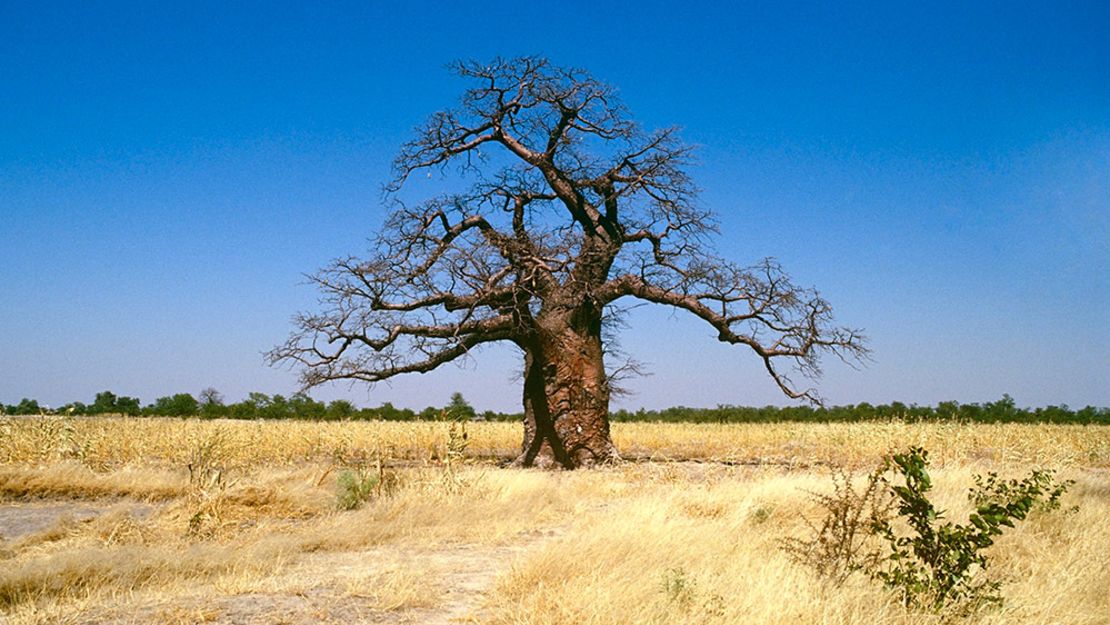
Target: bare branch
{"points": [[758, 307], [328, 348]]}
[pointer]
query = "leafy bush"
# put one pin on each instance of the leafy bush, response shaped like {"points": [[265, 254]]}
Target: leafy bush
{"points": [[355, 487], [938, 565], [1041, 483], [932, 563]]}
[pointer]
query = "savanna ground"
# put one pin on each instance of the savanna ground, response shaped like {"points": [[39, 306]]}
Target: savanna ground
{"points": [[116, 520]]}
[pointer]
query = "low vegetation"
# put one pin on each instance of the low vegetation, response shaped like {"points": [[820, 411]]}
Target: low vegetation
{"points": [[211, 405], [232, 521], [890, 530]]}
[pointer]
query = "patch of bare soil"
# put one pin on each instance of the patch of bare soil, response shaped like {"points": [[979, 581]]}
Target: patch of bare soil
{"points": [[442, 585], [19, 519], [469, 574]]}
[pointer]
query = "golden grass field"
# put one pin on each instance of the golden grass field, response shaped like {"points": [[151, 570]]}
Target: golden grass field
{"points": [[117, 520]]}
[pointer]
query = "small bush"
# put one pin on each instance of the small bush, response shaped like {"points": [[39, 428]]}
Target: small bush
{"points": [[931, 562], [938, 565], [760, 515], [354, 488], [844, 542], [357, 486], [678, 587], [682, 593]]}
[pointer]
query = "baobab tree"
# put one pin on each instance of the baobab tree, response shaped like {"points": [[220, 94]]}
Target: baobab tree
{"points": [[569, 207]]}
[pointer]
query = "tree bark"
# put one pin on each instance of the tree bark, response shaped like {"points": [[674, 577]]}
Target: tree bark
{"points": [[566, 394]]}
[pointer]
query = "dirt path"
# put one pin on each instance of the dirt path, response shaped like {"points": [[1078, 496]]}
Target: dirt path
{"points": [[470, 575], [440, 585], [460, 577]]}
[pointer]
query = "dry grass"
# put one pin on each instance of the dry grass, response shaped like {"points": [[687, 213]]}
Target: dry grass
{"points": [[394, 586], [670, 553], [109, 442], [242, 525], [70, 479]]}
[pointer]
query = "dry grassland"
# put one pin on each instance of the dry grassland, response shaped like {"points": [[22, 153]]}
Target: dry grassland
{"points": [[113, 520]]}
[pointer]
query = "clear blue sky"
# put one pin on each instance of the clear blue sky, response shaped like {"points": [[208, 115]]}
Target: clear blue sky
{"points": [[940, 172]]}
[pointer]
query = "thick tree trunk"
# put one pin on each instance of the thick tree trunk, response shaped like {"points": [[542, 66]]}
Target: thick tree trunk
{"points": [[566, 395]]}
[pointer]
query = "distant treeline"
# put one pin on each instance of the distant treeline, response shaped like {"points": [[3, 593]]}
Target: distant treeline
{"points": [[210, 405], [1001, 411]]}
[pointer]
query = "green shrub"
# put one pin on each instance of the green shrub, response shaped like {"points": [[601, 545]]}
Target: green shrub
{"points": [[1041, 484], [354, 488], [679, 587], [357, 486], [940, 564], [893, 533]]}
